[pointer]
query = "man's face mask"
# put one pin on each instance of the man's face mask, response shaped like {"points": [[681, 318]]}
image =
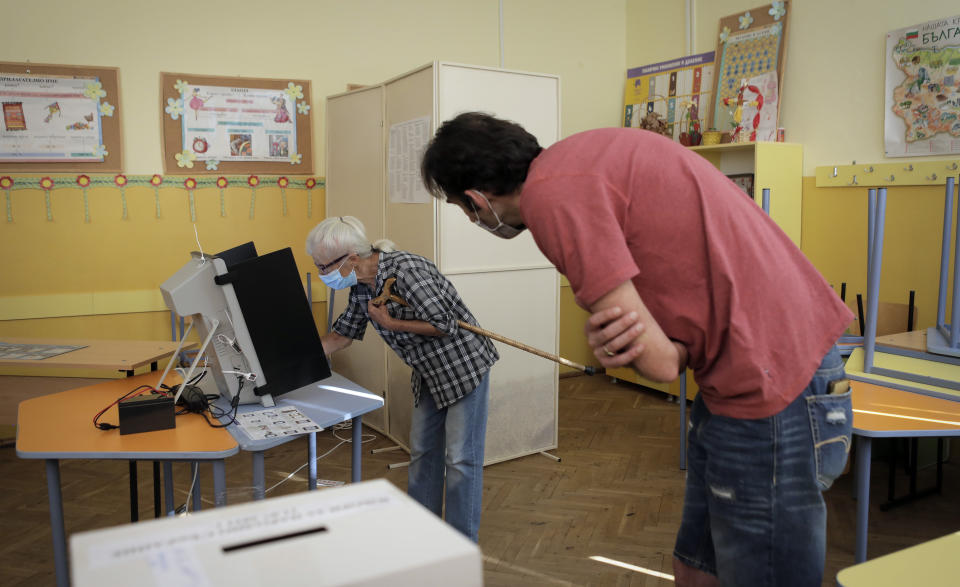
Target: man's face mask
{"points": [[501, 229]]}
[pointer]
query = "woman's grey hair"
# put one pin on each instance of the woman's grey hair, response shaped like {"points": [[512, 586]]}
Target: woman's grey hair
{"points": [[343, 235]]}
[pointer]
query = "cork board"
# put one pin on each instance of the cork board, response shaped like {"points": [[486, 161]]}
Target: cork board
{"points": [[110, 125], [198, 131], [751, 53]]}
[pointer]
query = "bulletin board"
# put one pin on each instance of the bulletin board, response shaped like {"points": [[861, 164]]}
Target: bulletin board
{"points": [[60, 118], [678, 90], [750, 65], [215, 125]]}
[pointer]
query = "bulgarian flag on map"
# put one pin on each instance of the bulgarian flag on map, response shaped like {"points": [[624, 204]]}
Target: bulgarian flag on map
{"points": [[912, 35]]}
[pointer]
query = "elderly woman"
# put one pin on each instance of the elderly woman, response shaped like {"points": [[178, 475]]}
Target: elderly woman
{"points": [[451, 366]]}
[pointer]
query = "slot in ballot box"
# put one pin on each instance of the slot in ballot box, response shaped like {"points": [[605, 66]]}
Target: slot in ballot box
{"points": [[368, 533]]}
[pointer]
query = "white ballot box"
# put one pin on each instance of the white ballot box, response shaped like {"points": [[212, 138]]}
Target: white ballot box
{"points": [[368, 533]]}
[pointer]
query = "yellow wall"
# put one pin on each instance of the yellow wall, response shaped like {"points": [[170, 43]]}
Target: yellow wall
{"points": [[833, 87], [329, 42], [833, 107], [102, 276]]}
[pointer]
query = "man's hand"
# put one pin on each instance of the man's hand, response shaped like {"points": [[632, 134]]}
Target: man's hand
{"points": [[380, 315], [613, 336]]}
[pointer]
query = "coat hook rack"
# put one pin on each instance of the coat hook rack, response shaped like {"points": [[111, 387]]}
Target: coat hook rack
{"points": [[888, 174]]}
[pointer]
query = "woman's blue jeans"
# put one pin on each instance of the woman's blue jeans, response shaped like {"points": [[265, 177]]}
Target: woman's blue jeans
{"points": [[753, 512], [449, 443]]}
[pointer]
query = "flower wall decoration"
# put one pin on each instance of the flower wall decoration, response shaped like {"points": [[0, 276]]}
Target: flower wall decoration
{"points": [[106, 108], [212, 164], [777, 10], [100, 151], [181, 86], [294, 91], [303, 108], [174, 108], [185, 158], [746, 20], [121, 182], [156, 180], [724, 34], [46, 184], [94, 90], [295, 158], [191, 184], [6, 182]]}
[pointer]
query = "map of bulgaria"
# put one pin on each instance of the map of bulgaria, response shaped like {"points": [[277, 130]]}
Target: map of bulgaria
{"points": [[928, 100]]}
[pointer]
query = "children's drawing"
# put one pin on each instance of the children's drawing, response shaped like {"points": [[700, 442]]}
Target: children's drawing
{"points": [[196, 102], [282, 115]]}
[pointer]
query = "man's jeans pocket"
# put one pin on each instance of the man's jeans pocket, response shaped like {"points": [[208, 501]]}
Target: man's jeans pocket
{"points": [[831, 421]]}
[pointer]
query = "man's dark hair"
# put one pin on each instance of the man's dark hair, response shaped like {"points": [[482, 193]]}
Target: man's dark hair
{"points": [[477, 151]]}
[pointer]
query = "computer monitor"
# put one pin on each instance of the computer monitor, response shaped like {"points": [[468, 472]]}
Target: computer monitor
{"points": [[259, 337]]}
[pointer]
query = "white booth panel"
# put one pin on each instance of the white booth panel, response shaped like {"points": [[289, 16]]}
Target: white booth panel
{"points": [[520, 305], [464, 88]]}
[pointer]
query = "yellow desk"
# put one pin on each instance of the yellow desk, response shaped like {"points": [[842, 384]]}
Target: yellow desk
{"points": [[931, 564], [915, 340], [119, 355], [884, 412], [113, 355], [60, 426]]}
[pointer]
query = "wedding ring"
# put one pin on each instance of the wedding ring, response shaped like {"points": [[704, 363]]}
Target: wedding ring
{"points": [[606, 350]]}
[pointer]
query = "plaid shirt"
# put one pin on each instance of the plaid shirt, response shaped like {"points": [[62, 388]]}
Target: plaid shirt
{"points": [[449, 367]]}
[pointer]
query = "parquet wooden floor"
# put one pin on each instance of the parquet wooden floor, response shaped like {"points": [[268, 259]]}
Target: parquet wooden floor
{"points": [[617, 493]]}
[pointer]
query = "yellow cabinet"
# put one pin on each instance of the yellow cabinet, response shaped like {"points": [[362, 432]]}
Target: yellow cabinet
{"points": [[777, 166]]}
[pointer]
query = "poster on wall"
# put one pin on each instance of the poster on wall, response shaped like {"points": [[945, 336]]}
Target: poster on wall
{"points": [[677, 90], [922, 89], [238, 124], [751, 58], [217, 125], [408, 141], [50, 118]]}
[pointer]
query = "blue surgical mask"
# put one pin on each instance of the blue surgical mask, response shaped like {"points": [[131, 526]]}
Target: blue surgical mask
{"points": [[336, 281]]}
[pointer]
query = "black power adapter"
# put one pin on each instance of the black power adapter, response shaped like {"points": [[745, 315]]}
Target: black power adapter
{"points": [[144, 413]]}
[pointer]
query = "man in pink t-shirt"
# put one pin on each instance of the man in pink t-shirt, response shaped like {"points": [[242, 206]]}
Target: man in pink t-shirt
{"points": [[679, 268]]}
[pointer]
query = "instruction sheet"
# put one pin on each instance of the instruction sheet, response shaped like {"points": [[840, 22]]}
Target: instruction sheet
{"points": [[276, 423]]}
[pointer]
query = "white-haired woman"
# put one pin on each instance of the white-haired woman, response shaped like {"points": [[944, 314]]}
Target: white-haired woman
{"points": [[451, 365]]}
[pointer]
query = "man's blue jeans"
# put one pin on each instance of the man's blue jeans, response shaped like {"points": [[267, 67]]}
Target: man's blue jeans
{"points": [[449, 442], [753, 512]]}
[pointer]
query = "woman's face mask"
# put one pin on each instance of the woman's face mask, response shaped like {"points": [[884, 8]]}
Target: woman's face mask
{"points": [[336, 281]]}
